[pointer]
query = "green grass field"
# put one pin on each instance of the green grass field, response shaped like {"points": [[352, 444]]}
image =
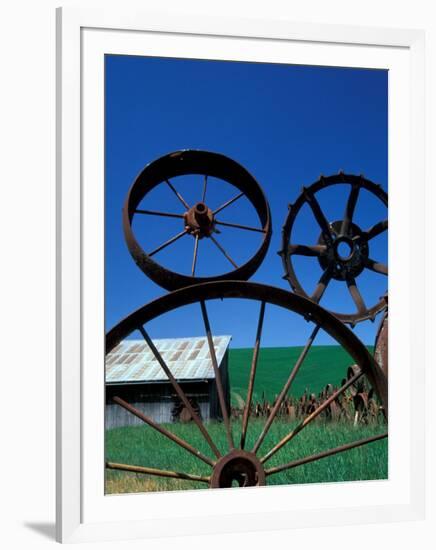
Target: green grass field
{"points": [[143, 446], [323, 365]]}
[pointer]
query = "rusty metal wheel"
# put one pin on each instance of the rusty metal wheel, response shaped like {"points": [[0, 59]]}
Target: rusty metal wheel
{"points": [[198, 220], [237, 465], [335, 236]]}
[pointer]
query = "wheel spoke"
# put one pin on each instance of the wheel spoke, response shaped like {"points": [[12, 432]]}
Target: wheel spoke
{"points": [[319, 215], [194, 259], [203, 198], [218, 380], [355, 294], [217, 244], [304, 250], [157, 213], [228, 203], [349, 209], [325, 454], [239, 226], [168, 242], [376, 266], [252, 374], [156, 472], [162, 430], [178, 195], [179, 391], [376, 229], [312, 416], [321, 286], [286, 387]]}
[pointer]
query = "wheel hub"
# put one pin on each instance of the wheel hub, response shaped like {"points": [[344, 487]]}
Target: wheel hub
{"points": [[199, 220], [238, 469], [346, 255]]}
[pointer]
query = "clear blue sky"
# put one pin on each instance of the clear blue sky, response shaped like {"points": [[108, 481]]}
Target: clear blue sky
{"points": [[285, 124]]}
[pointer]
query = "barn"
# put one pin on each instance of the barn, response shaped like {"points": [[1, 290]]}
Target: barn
{"points": [[134, 374]]}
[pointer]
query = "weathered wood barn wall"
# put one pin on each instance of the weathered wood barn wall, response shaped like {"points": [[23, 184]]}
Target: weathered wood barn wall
{"points": [[133, 374]]}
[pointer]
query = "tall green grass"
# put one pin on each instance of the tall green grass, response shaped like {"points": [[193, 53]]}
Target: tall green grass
{"points": [[143, 446]]}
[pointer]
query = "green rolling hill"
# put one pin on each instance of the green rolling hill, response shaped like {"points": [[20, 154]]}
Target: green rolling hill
{"points": [[323, 365]]}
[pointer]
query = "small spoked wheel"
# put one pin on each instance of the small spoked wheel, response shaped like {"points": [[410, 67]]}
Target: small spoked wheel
{"points": [[343, 249], [240, 454], [199, 219]]}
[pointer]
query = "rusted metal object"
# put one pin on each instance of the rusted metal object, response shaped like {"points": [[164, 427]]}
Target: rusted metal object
{"points": [[318, 410], [382, 344], [237, 465], [182, 414], [286, 388], [252, 374], [343, 249], [156, 472], [259, 292], [357, 404], [179, 390], [218, 380], [363, 393], [239, 468], [200, 220]]}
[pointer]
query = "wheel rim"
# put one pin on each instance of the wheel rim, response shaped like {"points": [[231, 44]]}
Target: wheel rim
{"points": [[198, 220], [333, 264]]}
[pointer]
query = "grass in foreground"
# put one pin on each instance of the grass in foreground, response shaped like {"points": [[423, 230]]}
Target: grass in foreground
{"points": [[142, 446]]}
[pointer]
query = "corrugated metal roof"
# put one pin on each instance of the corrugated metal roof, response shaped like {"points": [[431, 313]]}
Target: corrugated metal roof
{"points": [[187, 359]]}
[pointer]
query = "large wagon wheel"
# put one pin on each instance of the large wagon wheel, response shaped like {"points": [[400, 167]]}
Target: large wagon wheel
{"points": [[237, 465], [343, 248], [199, 220]]}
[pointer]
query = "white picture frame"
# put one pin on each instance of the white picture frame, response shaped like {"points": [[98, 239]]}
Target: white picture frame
{"points": [[83, 37]]}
